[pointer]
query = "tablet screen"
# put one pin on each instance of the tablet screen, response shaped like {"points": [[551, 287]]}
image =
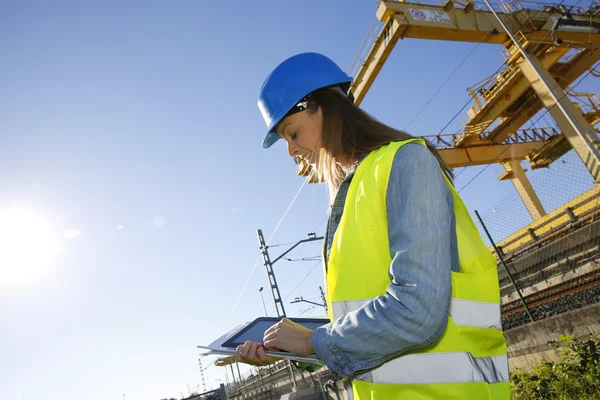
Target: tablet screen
{"points": [[256, 330]]}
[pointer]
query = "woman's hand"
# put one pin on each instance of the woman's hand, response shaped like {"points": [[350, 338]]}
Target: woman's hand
{"points": [[253, 354], [289, 336], [283, 336]]}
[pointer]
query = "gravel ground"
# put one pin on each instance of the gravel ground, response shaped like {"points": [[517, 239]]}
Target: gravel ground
{"points": [[567, 303]]}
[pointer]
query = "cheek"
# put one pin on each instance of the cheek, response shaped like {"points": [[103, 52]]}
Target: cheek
{"points": [[316, 138]]}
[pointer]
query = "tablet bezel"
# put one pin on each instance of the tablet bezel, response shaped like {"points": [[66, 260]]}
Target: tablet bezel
{"points": [[232, 342]]}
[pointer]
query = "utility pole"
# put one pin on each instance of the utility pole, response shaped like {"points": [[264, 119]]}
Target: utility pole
{"points": [[232, 374], [263, 300], [222, 392], [269, 267], [301, 300], [323, 298], [202, 374], [239, 373]]}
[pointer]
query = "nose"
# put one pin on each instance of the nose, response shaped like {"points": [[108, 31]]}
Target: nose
{"points": [[292, 148]]}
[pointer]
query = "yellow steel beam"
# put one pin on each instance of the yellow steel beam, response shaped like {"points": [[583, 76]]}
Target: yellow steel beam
{"points": [[592, 117], [469, 25], [435, 23], [550, 152], [490, 154], [578, 206], [516, 173], [404, 20], [570, 132], [379, 53], [503, 98], [565, 74]]}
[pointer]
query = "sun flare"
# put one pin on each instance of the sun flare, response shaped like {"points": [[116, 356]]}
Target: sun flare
{"points": [[28, 245]]}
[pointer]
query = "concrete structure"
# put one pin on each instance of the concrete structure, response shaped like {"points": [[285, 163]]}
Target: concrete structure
{"points": [[528, 344]]}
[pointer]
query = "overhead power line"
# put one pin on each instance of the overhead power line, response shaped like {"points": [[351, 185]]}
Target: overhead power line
{"points": [[271, 237]]}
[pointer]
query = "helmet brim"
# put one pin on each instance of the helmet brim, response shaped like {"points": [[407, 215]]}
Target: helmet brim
{"points": [[270, 139]]}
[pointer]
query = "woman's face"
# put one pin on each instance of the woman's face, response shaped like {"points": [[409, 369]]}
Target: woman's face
{"points": [[303, 133]]}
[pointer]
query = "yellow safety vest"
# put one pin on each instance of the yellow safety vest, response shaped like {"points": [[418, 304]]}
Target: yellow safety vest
{"points": [[470, 360]]}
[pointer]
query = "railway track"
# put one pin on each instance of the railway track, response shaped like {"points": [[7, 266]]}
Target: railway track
{"points": [[555, 262], [554, 293]]}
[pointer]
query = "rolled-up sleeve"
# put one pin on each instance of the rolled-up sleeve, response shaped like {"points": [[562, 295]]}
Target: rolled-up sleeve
{"points": [[414, 310]]}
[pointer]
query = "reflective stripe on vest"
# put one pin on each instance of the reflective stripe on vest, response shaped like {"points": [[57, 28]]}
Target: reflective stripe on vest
{"points": [[439, 368], [463, 312], [476, 313]]}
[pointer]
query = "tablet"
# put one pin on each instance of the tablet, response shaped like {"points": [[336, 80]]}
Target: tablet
{"points": [[255, 330]]}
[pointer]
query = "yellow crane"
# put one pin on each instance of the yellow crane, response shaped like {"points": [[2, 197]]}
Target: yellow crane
{"points": [[562, 43]]}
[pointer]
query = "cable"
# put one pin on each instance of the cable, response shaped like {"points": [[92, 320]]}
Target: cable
{"points": [[281, 244], [313, 258], [455, 115], [320, 223], [303, 279], [564, 94], [442, 85], [276, 228], [481, 172], [307, 310]]}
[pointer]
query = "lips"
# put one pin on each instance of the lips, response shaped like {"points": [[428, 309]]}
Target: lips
{"points": [[309, 157]]}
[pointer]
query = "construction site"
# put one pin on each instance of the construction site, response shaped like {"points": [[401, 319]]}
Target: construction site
{"points": [[527, 116]]}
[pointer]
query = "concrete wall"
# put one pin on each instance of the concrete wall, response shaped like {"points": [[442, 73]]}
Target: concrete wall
{"points": [[528, 344]]}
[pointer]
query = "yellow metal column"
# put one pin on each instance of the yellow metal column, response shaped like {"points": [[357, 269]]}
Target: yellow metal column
{"points": [[567, 128], [516, 173]]}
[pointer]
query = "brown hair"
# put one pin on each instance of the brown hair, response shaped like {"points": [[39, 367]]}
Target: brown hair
{"points": [[349, 133]]}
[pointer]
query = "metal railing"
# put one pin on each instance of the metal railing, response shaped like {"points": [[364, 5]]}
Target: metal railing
{"points": [[583, 209], [447, 141], [365, 48]]}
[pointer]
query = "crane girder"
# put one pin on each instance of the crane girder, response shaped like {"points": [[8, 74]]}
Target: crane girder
{"points": [[402, 20], [489, 154]]}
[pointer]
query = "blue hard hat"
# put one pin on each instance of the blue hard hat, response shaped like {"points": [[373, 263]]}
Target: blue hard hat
{"points": [[290, 82]]}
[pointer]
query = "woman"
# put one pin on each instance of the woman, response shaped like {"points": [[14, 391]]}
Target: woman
{"points": [[412, 290]]}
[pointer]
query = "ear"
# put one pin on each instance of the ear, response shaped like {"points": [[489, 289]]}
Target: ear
{"points": [[318, 113]]}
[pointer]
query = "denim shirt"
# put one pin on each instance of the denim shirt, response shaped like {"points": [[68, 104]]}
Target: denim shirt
{"points": [[413, 312]]}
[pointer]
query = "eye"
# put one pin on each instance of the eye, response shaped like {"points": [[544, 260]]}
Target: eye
{"points": [[294, 136]]}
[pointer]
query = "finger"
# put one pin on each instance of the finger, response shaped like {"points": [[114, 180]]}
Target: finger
{"points": [[272, 344], [260, 351], [245, 349], [252, 351], [238, 352], [271, 336], [272, 328]]}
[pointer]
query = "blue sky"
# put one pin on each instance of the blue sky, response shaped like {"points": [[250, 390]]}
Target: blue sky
{"points": [[135, 124]]}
